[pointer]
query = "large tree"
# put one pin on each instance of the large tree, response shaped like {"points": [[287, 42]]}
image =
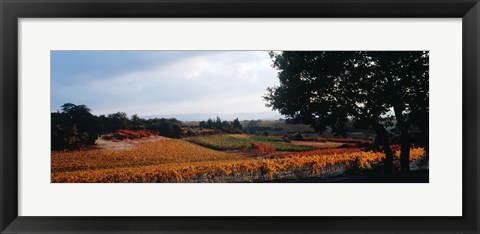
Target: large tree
{"points": [[330, 88], [405, 77], [73, 127]]}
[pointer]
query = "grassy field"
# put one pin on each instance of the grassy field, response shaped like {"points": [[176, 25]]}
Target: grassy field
{"points": [[181, 161], [244, 141]]}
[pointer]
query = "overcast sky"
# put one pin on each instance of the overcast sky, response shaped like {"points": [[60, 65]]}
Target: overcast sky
{"points": [[151, 83]]}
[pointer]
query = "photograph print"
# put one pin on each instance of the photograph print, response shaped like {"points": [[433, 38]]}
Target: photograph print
{"points": [[239, 116]]}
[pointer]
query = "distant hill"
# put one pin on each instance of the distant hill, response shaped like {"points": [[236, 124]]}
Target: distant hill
{"points": [[223, 116]]}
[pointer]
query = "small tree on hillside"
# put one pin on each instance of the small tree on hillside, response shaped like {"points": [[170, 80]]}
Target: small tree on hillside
{"points": [[236, 124]]}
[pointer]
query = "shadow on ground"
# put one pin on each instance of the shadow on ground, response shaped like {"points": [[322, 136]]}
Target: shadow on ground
{"points": [[418, 176]]}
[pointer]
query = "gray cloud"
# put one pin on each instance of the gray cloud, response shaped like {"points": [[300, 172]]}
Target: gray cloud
{"points": [[207, 82]]}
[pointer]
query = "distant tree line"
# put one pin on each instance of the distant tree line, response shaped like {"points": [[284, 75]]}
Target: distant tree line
{"points": [[253, 127], [74, 127], [224, 126]]}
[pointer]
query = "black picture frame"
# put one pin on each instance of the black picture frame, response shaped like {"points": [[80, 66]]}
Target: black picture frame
{"points": [[12, 10]]}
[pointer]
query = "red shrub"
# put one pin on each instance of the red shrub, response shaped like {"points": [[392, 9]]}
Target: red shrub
{"points": [[262, 149], [133, 134]]}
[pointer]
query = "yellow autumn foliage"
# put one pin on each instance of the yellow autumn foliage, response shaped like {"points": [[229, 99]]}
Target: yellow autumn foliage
{"points": [[181, 161]]}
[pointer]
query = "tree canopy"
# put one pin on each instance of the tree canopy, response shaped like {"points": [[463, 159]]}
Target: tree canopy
{"points": [[329, 88], [73, 127]]}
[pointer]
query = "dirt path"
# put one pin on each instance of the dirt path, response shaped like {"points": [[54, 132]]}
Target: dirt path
{"points": [[125, 144]]}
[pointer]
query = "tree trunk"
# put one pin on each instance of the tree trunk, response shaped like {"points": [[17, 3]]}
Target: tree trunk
{"points": [[398, 108], [382, 140], [405, 139]]}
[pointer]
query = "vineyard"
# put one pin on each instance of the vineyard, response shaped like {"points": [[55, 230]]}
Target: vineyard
{"points": [[243, 141], [223, 158]]}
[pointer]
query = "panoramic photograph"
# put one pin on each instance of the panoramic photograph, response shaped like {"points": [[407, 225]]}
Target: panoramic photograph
{"points": [[239, 116]]}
